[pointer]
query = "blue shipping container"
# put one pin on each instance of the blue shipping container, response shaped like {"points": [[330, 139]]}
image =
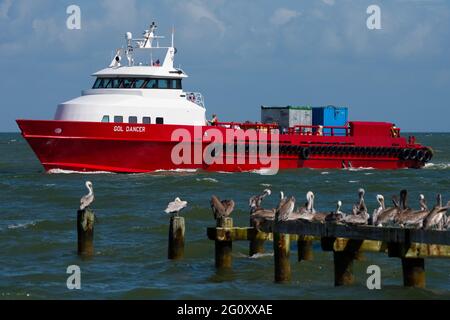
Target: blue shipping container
{"points": [[330, 116]]}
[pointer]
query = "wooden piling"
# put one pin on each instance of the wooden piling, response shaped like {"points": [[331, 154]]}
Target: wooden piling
{"points": [[413, 272], [343, 267], [343, 261], [223, 249], [256, 243], [281, 246], [85, 232], [304, 247], [176, 238]]}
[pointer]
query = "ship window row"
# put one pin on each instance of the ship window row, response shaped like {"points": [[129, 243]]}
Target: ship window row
{"points": [[133, 119], [136, 83]]}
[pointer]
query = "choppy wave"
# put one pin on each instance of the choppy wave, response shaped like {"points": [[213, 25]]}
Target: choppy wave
{"points": [[24, 225], [207, 179], [325, 172], [265, 185], [437, 166], [261, 255]]}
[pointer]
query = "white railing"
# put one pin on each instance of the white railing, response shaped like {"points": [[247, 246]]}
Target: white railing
{"points": [[196, 97]]}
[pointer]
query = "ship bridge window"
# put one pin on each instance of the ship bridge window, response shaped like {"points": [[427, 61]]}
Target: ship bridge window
{"points": [[127, 83], [118, 119], [152, 84], [105, 119], [163, 84], [99, 83], [175, 83], [159, 120], [137, 83], [115, 83], [132, 119], [146, 120]]}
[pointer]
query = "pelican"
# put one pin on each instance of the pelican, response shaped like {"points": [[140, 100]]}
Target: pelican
{"points": [[361, 218], [285, 207], [336, 216], [306, 212], [437, 217], [317, 216], [413, 217], [174, 207], [255, 201], [377, 211], [360, 207], [259, 215], [385, 215], [87, 200], [221, 209]]}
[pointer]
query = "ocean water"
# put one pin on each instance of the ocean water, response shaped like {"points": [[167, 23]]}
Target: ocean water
{"points": [[38, 232]]}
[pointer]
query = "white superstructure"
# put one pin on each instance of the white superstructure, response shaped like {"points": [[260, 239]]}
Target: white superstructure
{"points": [[144, 92]]}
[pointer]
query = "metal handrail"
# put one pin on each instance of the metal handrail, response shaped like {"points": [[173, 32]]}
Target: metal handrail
{"points": [[247, 125], [319, 130]]}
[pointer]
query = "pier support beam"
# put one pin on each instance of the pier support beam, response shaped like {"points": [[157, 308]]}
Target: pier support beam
{"points": [[343, 268], [223, 249], [343, 262], [176, 238], [85, 232], [281, 246], [305, 250], [256, 243], [413, 272]]}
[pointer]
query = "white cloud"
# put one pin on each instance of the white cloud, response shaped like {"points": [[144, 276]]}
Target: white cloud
{"points": [[282, 16], [4, 8], [414, 42], [197, 11], [328, 2]]}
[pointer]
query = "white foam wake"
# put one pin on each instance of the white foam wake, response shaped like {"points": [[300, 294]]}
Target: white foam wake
{"points": [[359, 169], [177, 170], [63, 171], [437, 166]]}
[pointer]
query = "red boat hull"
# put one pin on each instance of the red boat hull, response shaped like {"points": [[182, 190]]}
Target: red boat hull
{"points": [[128, 148]]}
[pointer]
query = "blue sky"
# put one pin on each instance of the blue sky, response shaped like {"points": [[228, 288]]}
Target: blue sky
{"points": [[241, 54]]}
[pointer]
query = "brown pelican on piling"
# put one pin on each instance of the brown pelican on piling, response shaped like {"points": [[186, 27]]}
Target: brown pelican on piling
{"points": [[359, 211], [360, 207], [383, 215], [336, 216], [87, 200], [307, 211], [221, 209], [413, 217], [438, 215], [285, 207], [174, 207], [259, 215], [255, 201], [317, 216]]}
